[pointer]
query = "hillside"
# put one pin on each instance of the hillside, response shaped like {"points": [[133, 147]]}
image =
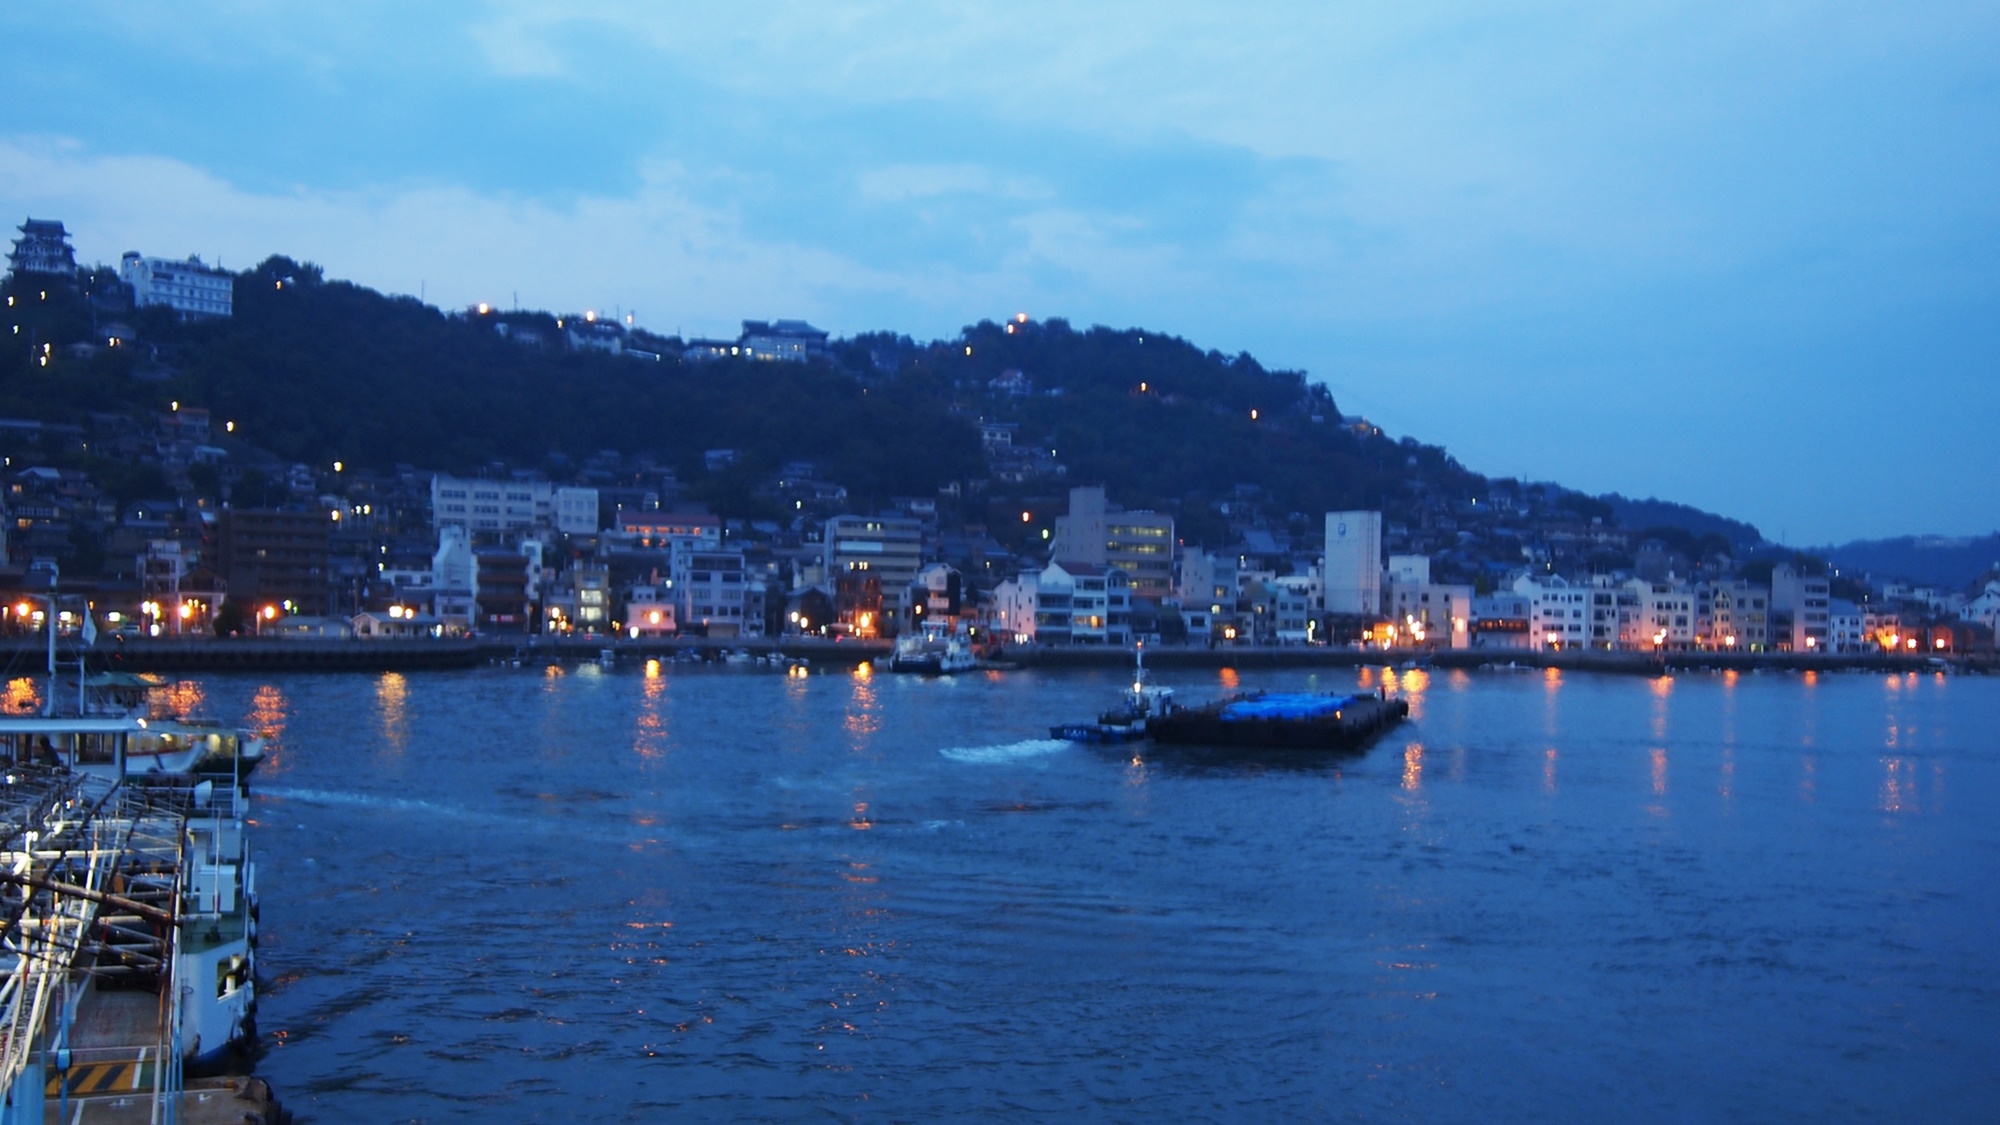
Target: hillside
{"points": [[312, 371], [1949, 563]]}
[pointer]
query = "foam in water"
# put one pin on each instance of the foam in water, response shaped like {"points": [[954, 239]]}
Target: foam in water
{"points": [[1005, 752], [362, 800]]}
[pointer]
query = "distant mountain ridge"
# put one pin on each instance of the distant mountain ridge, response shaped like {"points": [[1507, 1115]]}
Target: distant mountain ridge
{"points": [[1666, 513], [1948, 561]]}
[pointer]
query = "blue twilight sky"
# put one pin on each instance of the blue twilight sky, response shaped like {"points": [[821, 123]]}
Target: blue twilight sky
{"points": [[1740, 254]]}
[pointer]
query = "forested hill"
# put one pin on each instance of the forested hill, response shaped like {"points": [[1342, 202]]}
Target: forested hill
{"points": [[312, 370]]}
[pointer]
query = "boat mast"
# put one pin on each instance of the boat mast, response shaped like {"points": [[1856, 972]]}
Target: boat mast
{"points": [[49, 621]]}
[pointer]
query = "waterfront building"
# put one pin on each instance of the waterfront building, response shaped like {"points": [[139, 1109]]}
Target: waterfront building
{"points": [[191, 288], [1985, 608], [1732, 615], [1502, 620], [1015, 602], [938, 593], [1846, 631], [1438, 615], [886, 549], [650, 611], [1353, 566], [1098, 533], [274, 557], [1661, 614], [1805, 599], [707, 588], [1556, 611], [1207, 589]]}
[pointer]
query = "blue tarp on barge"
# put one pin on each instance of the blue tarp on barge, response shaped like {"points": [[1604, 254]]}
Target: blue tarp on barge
{"points": [[1285, 706]]}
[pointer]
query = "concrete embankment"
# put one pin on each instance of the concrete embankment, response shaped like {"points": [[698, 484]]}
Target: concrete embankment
{"points": [[258, 654], [254, 654], [1630, 663]]}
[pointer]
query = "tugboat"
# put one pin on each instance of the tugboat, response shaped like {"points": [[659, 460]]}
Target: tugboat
{"points": [[1127, 720], [1273, 720]]}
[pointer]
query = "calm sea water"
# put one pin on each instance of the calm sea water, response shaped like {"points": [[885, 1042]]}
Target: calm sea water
{"points": [[528, 895]]}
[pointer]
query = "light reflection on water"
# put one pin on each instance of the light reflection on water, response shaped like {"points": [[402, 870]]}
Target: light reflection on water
{"points": [[784, 898]]}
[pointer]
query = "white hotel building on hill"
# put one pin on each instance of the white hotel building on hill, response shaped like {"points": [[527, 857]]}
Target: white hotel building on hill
{"points": [[188, 286]]}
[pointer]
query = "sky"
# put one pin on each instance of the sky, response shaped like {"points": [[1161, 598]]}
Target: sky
{"points": [[1740, 255]]}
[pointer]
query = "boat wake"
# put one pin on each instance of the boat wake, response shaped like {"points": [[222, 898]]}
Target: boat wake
{"points": [[1005, 752], [360, 800]]}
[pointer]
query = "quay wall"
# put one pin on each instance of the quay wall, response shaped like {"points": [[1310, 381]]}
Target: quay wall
{"points": [[1631, 663], [26, 656]]}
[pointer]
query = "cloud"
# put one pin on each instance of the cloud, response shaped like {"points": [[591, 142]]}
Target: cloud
{"points": [[902, 182], [658, 249]]}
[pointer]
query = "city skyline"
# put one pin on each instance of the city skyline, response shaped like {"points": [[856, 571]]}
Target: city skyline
{"points": [[1735, 257]]}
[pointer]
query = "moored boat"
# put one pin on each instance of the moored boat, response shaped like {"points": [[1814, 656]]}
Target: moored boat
{"points": [[935, 650]]}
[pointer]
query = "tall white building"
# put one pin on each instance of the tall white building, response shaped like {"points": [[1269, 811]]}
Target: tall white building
{"points": [[1353, 567], [188, 287]]}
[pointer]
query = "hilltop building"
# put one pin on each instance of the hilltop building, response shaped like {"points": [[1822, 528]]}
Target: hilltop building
{"points": [[782, 341], [190, 288], [43, 249]]}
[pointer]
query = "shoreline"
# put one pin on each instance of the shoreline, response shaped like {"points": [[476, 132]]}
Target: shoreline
{"points": [[251, 654]]}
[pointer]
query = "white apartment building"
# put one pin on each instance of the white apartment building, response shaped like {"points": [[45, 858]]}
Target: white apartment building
{"points": [[1807, 600], [1557, 611], [707, 588], [1014, 604], [1207, 589], [187, 287], [1661, 614], [1353, 566], [1295, 601]]}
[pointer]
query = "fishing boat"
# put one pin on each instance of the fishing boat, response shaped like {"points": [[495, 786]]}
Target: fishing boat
{"points": [[1283, 720]]}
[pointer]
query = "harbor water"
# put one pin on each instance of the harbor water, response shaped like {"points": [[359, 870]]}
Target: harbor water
{"points": [[577, 894]]}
